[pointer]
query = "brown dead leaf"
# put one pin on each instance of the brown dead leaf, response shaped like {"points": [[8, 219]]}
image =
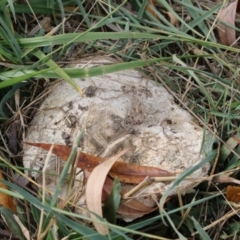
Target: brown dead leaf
{"points": [[134, 209], [129, 208], [6, 200], [130, 173], [236, 139], [94, 190], [107, 187], [43, 24], [152, 4], [149, 6], [126, 172], [227, 15], [233, 194], [172, 19]]}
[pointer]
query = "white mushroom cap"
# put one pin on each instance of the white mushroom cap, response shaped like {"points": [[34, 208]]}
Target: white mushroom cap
{"points": [[122, 109]]}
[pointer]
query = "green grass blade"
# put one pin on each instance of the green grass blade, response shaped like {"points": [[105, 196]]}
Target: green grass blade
{"points": [[10, 39], [11, 6], [200, 230], [225, 115], [112, 203], [24, 77], [186, 173], [171, 10], [36, 42], [85, 231], [94, 71], [8, 217], [83, 12], [8, 95], [66, 167], [60, 4], [194, 76], [200, 19], [60, 72], [147, 222]]}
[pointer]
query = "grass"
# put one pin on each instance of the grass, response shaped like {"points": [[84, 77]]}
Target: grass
{"points": [[188, 59]]}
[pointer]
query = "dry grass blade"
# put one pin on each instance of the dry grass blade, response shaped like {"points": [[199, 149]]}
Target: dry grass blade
{"points": [[227, 14], [94, 190], [23, 228]]}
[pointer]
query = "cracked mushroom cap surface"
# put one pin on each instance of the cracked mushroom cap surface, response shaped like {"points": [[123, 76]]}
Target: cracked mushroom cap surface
{"points": [[119, 110]]}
